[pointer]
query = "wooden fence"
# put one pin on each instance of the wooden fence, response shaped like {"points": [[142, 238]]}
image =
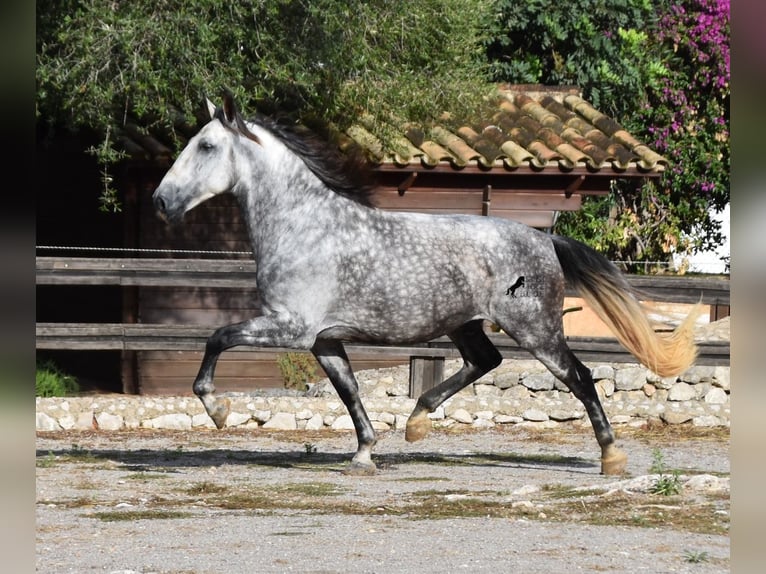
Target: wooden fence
{"points": [[426, 359]]}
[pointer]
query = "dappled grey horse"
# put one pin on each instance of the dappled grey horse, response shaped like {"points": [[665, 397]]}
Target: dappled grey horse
{"points": [[333, 268]]}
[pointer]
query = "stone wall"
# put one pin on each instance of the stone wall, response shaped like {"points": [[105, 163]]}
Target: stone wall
{"points": [[518, 392]]}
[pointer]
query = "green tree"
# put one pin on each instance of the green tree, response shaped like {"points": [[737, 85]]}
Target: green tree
{"points": [[102, 63], [662, 69]]}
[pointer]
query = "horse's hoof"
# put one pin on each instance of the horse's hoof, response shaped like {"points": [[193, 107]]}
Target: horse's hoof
{"points": [[615, 463], [220, 412], [360, 469], [417, 428]]}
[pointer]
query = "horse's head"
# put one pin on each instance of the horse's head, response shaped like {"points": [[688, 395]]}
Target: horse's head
{"points": [[207, 165]]}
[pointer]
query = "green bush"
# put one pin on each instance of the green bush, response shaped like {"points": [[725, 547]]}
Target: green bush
{"points": [[50, 381], [298, 370]]}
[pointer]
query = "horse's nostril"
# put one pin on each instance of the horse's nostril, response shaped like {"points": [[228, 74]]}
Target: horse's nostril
{"points": [[159, 204]]}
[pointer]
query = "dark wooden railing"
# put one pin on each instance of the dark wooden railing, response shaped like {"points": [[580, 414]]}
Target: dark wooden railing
{"points": [[426, 359]]}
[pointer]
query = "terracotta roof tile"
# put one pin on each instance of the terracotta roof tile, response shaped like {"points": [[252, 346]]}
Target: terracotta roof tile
{"points": [[544, 129]]}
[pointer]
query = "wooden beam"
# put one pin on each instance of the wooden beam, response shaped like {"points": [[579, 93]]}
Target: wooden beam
{"points": [[157, 337]]}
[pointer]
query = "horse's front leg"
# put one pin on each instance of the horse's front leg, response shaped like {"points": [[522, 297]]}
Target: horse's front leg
{"points": [[265, 331], [332, 357], [479, 357]]}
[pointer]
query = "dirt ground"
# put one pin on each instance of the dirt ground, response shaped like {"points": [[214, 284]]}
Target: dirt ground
{"points": [[495, 500]]}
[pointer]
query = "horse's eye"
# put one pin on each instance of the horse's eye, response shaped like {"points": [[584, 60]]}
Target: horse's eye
{"points": [[205, 145]]}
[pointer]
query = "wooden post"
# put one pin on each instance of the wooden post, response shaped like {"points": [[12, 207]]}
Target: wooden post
{"points": [[486, 199], [425, 374], [718, 312], [129, 358]]}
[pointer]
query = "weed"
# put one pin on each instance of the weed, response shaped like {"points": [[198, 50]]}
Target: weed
{"points": [[50, 381], [46, 462], [130, 515], [207, 488], [297, 370], [696, 557], [665, 484], [309, 448]]}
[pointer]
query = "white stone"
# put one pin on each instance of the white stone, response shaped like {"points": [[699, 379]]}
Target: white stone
{"points": [[67, 422], [401, 421], [535, 415], [462, 416], [716, 396], [108, 421], [483, 423], [681, 392], [486, 415], [506, 380], [507, 419], [315, 422], [388, 418], [539, 381], [46, 423], [174, 421], [676, 417], [630, 379], [282, 421], [620, 419], [722, 377], [602, 372], [487, 390], [236, 419], [706, 421], [343, 422], [85, 420], [202, 420], [262, 416], [605, 388]]}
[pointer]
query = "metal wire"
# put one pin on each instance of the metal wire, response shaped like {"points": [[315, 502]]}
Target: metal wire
{"points": [[140, 250], [247, 253]]}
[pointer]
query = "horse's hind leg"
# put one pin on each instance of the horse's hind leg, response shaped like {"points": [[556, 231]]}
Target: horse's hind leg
{"points": [[559, 359], [332, 357], [479, 357]]}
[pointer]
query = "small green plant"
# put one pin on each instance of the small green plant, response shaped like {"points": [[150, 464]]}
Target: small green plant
{"points": [[310, 448], [50, 381], [297, 370], [665, 484], [696, 557]]}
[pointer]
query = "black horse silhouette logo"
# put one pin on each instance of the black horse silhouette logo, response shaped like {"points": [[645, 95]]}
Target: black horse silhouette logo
{"points": [[512, 289]]}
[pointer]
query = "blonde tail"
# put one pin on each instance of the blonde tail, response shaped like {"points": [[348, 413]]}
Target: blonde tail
{"points": [[613, 299]]}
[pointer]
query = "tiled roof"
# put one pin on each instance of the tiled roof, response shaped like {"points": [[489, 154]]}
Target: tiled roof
{"points": [[534, 128]]}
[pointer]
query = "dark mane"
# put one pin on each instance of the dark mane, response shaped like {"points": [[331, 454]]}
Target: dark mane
{"points": [[346, 173]]}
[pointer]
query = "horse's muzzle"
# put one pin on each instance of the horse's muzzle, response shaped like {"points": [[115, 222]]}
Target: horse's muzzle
{"points": [[166, 209]]}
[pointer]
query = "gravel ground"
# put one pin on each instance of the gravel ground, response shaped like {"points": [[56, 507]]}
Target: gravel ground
{"points": [[481, 501]]}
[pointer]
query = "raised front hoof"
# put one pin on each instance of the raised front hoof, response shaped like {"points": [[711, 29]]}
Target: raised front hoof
{"points": [[615, 463], [220, 412], [360, 469], [417, 428]]}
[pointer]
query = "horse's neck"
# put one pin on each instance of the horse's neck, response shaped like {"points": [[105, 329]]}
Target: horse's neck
{"points": [[295, 208]]}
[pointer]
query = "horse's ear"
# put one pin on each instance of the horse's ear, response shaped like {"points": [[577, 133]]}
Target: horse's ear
{"points": [[210, 108], [229, 107]]}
